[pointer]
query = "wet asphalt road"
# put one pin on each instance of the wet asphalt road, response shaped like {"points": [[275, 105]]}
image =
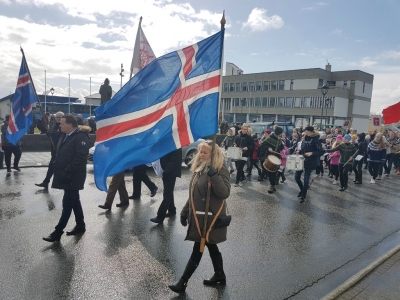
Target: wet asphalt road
{"points": [[276, 248]]}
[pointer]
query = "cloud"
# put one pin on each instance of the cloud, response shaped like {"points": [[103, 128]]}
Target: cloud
{"points": [[322, 3], [6, 2], [309, 8], [314, 7], [391, 55], [386, 90], [337, 32], [258, 21], [302, 54]]}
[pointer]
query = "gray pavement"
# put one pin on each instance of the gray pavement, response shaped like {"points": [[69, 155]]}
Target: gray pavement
{"points": [[276, 248]]}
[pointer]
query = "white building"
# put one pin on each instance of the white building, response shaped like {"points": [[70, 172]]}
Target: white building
{"points": [[295, 96], [95, 99]]}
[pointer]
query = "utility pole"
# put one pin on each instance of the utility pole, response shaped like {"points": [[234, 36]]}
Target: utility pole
{"points": [[120, 74]]}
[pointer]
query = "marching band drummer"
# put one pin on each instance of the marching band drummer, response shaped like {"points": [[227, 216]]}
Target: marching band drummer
{"points": [[271, 146], [311, 148]]}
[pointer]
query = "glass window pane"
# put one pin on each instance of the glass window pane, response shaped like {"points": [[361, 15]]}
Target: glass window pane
{"points": [[257, 102], [236, 102], [258, 86], [273, 85], [238, 87], [289, 101], [281, 101], [250, 102], [231, 87], [297, 102], [307, 102], [243, 102], [251, 87], [281, 85], [264, 102], [244, 87], [272, 102], [266, 86], [226, 87]]}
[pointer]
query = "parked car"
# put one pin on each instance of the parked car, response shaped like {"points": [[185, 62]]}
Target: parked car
{"points": [[188, 152], [260, 127]]}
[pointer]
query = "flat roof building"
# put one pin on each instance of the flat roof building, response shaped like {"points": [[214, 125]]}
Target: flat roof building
{"points": [[295, 96]]}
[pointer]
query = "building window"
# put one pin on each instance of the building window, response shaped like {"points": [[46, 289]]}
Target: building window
{"points": [[238, 87], [258, 86], [268, 118], [283, 118], [250, 102], [231, 87], [244, 87], [320, 82], [226, 87], [273, 85], [364, 87], [227, 105], [297, 102], [236, 102], [289, 102], [307, 102], [331, 83], [281, 85], [251, 87], [257, 102], [345, 83], [243, 102], [266, 86], [291, 84], [264, 102], [272, 102], [281, 101], [352, 82]]}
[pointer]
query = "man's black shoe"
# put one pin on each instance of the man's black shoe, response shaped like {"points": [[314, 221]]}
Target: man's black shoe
{"points": [[358, 182], [303, 199], [122, 204], [134, 198], [242, 179], [53, 237], [154, 192], [299, 195], [77, 230], [105, 206], [260, 178], [156, 220], [44, 185], [168, 215]]}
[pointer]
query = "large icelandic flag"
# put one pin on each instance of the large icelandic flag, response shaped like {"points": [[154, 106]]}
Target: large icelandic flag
{"points": [[21, 110], [169, 104]]}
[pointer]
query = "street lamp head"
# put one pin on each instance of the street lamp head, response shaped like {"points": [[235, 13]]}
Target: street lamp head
{"points": [[52, 91], [324, 89]]}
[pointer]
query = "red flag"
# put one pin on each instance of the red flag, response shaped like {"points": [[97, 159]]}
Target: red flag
{"points": [[391, 114]]}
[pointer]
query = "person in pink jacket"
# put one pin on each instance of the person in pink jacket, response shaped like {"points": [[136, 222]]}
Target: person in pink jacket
{"points": [[281, 172], [335, 157]]}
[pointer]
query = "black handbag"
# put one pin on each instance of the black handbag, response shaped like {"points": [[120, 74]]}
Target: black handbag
{"points": [[223, 221]]}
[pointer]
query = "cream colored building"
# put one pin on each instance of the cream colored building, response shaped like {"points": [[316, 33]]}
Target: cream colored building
{"points": [[295, 96]]}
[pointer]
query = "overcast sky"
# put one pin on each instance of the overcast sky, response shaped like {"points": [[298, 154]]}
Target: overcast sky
{"points": [[90, 39]]}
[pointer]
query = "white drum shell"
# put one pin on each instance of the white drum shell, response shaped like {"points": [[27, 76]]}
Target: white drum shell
{"points": [[295, 162], [234, 153]]}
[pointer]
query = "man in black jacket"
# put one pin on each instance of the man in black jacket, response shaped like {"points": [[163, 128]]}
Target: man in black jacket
{"points": [[357, 164], [311, 148], [70, 175], [244, 141], [54, 134], [172, 165], [105, 91]]}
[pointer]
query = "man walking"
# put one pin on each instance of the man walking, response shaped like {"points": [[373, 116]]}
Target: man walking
{"points": [[105, 91], [172, 165], [70, 175]]}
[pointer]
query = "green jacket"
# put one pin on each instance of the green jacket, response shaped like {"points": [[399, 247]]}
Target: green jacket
{"points": [[346, 151]]}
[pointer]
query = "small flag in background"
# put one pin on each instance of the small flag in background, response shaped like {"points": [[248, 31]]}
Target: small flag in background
{"points": [[142, 53], [168, 105], [21, 111]]}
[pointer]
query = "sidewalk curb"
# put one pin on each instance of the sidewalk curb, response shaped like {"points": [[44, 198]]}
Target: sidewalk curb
{"points": [[360, 275]]}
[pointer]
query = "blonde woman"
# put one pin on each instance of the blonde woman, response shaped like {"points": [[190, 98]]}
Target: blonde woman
{"points": [[194, 211]]}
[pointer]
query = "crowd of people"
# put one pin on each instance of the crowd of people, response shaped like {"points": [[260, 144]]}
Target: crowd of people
{"points": [[335, 151]]}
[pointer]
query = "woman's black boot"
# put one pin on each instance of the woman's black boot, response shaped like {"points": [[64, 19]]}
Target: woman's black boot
{"points": [[219, 275], [181, 285]]}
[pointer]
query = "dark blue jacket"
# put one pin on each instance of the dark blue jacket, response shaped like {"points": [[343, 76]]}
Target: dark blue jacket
{"points": [[311, 144]]}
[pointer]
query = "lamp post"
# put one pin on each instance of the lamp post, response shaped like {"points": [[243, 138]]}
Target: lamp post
{"points": [[52, 93], [327, 101], [324, 91]]}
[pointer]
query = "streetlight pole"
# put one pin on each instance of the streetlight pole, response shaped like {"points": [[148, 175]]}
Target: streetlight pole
{"points": [[52, 92], [324, 91], [327, 100]]}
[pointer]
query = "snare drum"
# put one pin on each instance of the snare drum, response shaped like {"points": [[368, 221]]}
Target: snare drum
{"points": [[272, 163], [295, 162], [234, 153]]}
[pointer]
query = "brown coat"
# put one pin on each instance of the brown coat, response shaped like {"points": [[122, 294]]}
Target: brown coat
{"points": [[220, 190]]}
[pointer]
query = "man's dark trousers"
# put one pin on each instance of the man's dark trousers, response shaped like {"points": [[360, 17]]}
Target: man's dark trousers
{"points": [[139, 175], [168, 197], [71, 202]]}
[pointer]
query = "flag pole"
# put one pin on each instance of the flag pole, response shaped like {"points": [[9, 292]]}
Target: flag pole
{"points": [[136, 43], [34, 89], [214, 139]]}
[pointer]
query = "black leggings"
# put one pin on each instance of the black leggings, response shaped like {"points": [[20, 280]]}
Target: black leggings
{"points": [[335, 171], [197, 255], [8, 151]]}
